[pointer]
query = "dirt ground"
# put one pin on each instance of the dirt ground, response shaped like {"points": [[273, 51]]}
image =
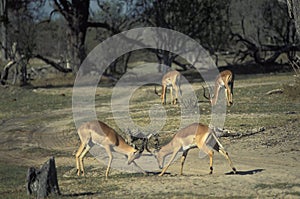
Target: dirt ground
{"points": [[267, 161]]}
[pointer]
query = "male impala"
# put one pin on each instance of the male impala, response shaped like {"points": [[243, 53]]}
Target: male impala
{"points": [[223, 80], [170, 80], [97, 132], [192, 136]]}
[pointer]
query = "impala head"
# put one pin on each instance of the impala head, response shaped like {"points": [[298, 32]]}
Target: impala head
{"points": [[158, 156], [213, 99], [134, 155], [160, 159]]}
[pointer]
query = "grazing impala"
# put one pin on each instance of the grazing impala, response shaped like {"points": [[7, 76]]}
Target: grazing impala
{"points": [[170, 80], [192, 136], [223, 80], [97, 132]]}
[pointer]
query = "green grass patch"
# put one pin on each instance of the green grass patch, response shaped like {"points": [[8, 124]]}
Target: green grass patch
{"points": [[20, 101], [38, 151], [253, 108], [13, 180]]}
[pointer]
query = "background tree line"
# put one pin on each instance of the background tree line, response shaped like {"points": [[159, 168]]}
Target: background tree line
{"points": [[62, 32]]}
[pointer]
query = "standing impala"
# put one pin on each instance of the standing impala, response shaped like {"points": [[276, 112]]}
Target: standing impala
{"points": [[97, 132], [223, 80], [170, 80], [193, 136]]}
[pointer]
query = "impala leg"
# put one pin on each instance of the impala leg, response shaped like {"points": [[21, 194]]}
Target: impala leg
{"points": [[87, 148], [176, 94], [183, 157], [210, 153], [180, 91], [228, 95], [225, 154], [163, 94], [142, 170], [169, 163], [171, 95], [78, 153], [110, 157]]}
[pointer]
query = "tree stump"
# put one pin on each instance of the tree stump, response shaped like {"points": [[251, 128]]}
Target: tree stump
{"points": [[42, 182]]}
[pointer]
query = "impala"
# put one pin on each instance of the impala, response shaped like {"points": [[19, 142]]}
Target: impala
{"points": [[195, 135], [170, 80], [224, 80], [97, 132]]}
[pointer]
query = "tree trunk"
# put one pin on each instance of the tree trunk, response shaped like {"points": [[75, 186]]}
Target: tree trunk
{"points": [[43, 182], [294, 12], [78, 24], [127, 58], [17, 60], [23, 66], [167, 59], [4, 74], [76, 13], [3, 29], [76, 49]]}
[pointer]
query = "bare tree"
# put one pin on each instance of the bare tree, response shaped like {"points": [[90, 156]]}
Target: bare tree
{"points": [[3, 29], [116, 16], [120, 15], [18, 38], [294, 12], [206, 21], [76, 13], [264, 32]]}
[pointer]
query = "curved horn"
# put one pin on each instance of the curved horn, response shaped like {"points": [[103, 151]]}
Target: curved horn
{"points": [[155, 143]]}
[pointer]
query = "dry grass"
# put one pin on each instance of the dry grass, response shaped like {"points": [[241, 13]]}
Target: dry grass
{"points": [[45, 115]]}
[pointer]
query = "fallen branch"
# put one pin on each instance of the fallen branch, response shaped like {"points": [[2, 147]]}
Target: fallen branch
{"points": [[54, 64], [239, 135], [275, 91]]}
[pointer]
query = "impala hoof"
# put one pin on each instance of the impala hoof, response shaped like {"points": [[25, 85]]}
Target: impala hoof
{"points": [[211, 170], [234, 170]]}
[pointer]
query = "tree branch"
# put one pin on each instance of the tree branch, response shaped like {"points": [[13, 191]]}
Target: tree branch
{"points": [[99, 25], [54, 64], [64, 8]]}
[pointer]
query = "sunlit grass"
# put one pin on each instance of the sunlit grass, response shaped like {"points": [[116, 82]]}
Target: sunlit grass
{"points": [[253, 108], [12, 178]]}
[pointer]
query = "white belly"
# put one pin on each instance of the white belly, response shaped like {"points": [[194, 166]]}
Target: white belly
{"points": [[184, 148]]}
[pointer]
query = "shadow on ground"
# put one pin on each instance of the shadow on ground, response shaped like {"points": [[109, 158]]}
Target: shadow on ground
{"points": [[250, 172]]}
